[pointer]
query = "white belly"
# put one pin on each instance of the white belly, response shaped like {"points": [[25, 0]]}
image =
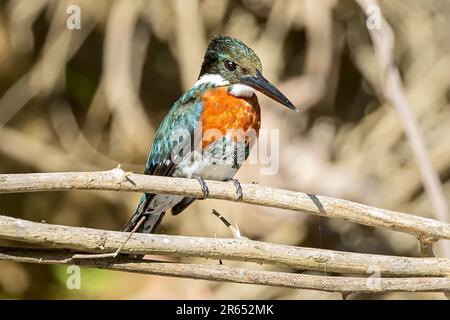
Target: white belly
{"points": [[216, 162], [209, 164]]}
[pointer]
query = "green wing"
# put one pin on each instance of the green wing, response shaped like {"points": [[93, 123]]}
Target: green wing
{"points": [[185, 115]]}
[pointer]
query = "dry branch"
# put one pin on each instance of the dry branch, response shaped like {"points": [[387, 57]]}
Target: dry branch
{"points": [[238, 275], [116, 179], [101, 241], [394, 93], [63, 238]]}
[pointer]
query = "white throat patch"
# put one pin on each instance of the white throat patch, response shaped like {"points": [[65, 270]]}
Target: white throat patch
{"points": [[215, 79], [237, 90], [241, 91]]}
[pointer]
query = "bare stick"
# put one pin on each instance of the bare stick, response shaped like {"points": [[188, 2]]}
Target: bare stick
{"points": [[100, 241], [237, 275], [112, 254], [117, 179], [234, 229], [393, 90]]}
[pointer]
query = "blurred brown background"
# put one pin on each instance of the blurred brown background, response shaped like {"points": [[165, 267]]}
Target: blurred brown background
{"points": [[89, 99]]}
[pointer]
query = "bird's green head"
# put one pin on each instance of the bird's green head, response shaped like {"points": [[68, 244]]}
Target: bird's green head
{"points": [[229, 61], [230, 58]]}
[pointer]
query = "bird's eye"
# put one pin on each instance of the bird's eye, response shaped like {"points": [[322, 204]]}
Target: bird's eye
{"points": [[230, 65]]}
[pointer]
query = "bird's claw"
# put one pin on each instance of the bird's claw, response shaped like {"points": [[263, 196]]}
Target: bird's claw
{"points": [[238, 186], [203, 185]]}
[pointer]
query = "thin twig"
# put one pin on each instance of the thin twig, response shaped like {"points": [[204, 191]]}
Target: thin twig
{"points": [[111, 254], [233, 229]]}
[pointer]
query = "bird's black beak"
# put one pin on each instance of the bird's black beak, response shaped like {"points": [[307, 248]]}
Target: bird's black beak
{"points": [[259, 83]]}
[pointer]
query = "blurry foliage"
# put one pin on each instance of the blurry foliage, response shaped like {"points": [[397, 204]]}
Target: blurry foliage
{"points": [[92, 98]]}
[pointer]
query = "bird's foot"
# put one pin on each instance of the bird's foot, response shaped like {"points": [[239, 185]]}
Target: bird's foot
{"points": [[238, 186], [203, 185]]}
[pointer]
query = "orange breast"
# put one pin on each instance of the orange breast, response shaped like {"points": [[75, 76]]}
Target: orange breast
{"points": [[224, 112]]}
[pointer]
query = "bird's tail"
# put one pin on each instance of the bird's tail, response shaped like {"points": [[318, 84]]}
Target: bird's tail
{"points": [[151, 218]]}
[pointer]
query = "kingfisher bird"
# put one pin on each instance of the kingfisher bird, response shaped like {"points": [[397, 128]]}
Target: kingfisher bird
{"points": [[210, 130]]}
